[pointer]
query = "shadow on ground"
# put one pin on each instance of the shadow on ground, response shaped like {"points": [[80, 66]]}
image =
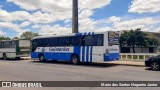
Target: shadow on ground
{"points": [[134, 65], [99, 65], [149, 69], [11, 60]]}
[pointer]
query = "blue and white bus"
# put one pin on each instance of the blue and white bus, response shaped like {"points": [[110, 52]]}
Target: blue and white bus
{"points": [[81, 47]]}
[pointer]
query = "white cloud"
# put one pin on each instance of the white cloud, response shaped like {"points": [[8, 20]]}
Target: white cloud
{"points": [[55, 10], [143, 23], [114, 19], [46, 12], [93, 4], [2, 33], [36, 17], [85, 13], [10, 26], [67, 21], [13, 16], [44, 5], [157, 29], [114, 23], [104, 29], [50, 11], [145, 6], [51, 30], [86, 25], [36, 26], [13, 27], [58, 5], [40, 17], [24, 24]]}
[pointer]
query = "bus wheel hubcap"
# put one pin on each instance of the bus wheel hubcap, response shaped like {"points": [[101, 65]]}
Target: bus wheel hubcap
{"points": [[41, 58], [74, 60]]}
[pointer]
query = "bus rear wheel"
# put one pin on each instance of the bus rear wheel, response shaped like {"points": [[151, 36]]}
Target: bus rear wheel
{"points": [[75, 59], [4, 56]]}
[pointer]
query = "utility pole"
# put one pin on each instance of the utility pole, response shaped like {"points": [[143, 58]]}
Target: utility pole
{"points": [[75, 16]]}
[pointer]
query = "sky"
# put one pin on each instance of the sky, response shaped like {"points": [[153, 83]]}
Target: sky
{"points": [[49, 17]]}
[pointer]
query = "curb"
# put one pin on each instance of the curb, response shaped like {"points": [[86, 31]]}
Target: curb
{"points": [[133, 65], [129, 63], [25, 58]]}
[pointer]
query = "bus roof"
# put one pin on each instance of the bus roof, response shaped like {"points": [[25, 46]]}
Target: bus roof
{"points": [[12, 40], [72, 34]]}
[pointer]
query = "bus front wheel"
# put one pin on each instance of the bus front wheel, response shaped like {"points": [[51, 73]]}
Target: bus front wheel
{"points": [[75, 59], [41, 58]]}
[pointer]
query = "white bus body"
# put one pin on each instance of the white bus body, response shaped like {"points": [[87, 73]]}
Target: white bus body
{"points": [[14, 48], [86, 47]]}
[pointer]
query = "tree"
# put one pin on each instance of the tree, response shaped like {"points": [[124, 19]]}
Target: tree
{"points": [[15, 38], [4, 38], [153, 42], [141, 38], [134, 38], [123, 38], [131, 41], [28, 35]]}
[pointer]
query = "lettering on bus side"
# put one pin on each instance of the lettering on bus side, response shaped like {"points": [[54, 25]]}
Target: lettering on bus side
{"points": [[59, 49]]}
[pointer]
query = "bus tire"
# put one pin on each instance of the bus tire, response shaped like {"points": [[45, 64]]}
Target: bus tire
{"points": [[4, 56], [41, 58], [75, 59]]}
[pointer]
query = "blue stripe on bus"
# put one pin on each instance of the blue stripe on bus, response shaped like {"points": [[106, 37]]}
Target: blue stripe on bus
{"points": [[83, 51], [87, 53], [91, 51], [111, 57]]}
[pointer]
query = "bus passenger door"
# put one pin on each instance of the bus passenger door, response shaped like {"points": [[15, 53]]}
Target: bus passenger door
{"points": [[97, 54]]}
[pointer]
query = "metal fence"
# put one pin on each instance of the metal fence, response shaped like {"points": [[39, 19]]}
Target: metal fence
{"points": [[136, 56]]}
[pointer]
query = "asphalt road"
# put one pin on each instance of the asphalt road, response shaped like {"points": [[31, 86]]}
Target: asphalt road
{"points": [[27, 70]]}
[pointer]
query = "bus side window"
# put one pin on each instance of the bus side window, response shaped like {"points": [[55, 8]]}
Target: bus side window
{"points": [[10, 44], [83, 41], [36, 42], [98, 40], [89, 40], [13, 44], [46, 42], [71, 41], [63, 41], [75, 41], [7, 44], [0, 44], [66, 41], [43, 42], [4, 44], [52, 42], [55, 42]]}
